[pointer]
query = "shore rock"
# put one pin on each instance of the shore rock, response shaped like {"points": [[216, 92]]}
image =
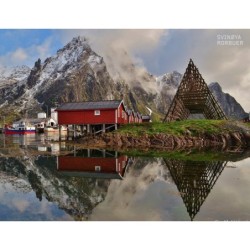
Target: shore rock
{"points": [[116, 141]]}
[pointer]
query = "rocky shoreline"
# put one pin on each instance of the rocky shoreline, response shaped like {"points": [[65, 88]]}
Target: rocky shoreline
{"points": [[168, 142]]}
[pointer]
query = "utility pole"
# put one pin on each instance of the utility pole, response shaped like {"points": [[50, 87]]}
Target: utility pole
{"points": [[3, 120]]}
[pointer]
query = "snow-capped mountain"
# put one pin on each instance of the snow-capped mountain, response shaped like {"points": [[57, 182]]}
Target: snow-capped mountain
{"points": [[13, 74], [167, 85], [171, 80], [77, 73]]}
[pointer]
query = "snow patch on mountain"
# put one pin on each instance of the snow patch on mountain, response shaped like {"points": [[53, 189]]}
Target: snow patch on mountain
{"points": [[13, 74], [170, 80]]}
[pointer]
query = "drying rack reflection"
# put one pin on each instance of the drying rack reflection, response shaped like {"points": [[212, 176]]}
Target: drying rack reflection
{"points": [[194, 180]]}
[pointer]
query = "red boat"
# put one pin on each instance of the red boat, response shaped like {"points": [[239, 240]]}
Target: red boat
{"points": [[19, 129]]}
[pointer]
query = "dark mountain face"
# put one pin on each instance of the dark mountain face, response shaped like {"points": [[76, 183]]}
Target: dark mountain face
{"points": [[76, 73], [228, 103]]}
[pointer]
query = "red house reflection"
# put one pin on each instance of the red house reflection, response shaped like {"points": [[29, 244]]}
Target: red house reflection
{"points": [[92, 166]]}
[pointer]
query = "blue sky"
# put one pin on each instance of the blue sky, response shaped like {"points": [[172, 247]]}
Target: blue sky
{"points": [[159, 51], [24, 46]]}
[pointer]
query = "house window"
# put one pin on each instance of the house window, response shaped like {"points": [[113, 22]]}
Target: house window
{"points": [[97, 168], [97, 112]]}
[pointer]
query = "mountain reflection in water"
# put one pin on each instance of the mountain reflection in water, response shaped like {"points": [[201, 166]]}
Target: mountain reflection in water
{"points": [[42, 179]]}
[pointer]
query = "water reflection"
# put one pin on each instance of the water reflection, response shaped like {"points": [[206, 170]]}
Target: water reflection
{"points": [[93, 163], [46, 186], [194, 180], [32, 139], [43, 143], [42, 179]]}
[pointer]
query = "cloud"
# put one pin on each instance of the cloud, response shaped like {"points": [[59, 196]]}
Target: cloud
{"points": [[20, 205], [27, 56], [131, 40], [19, 55], [146, 193], [43, 50], [229, 65]]}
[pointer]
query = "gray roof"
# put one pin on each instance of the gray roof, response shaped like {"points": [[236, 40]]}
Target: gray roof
{"points": [[90, 105], [129, 111], [138, 114]]}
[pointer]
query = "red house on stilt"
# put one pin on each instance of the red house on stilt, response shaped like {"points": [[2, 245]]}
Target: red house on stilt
{"points": [[97, 116]]}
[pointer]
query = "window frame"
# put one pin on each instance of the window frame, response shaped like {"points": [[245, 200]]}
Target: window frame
{"points": [[97, 112]]}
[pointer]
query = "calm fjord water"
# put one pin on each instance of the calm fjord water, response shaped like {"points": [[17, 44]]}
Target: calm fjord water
{"points": [[41, 179]]}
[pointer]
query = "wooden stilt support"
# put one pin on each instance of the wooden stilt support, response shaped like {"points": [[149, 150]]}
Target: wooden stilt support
{"points": [[74, 151], [67, 132], [81, 129], [74, 131], [60, 129], [104, 153]]}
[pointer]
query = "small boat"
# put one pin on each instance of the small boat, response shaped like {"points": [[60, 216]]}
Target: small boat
{"points": [[21, 128]]}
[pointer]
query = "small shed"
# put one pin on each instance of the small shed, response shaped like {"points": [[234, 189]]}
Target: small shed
{"points": [[146, 118]]}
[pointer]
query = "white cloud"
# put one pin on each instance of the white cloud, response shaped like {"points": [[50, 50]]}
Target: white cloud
{"points": [[146, 193], [43, 50], [19, 55], [27, 56], [21, 205]]}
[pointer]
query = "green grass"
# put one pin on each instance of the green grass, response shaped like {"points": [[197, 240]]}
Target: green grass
{"points": [[178, 128]]}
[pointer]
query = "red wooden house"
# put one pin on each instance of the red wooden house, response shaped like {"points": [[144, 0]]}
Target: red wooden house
{"points": [[92, 113]]}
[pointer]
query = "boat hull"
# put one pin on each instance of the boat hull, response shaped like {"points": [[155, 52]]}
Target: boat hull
{"points": [[21, 132]]}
